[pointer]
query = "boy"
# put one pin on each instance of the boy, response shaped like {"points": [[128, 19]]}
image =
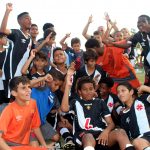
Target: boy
{"points": [[20, 117], [46, 101], [75, 53], [89, 112], [112, 101]]}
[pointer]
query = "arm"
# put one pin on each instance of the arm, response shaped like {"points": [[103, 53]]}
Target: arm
{"points": [[65, 101], [3, 145], [143, 88], [84, 33], [62, 42], [28, 62], [5, 19], [103, 137]]}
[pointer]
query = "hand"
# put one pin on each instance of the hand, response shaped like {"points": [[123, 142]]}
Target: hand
{"points": [[9, 7], [33, 52], [48, 78], [70, 74], [107, 18], [97, 78], [68, 35], [50, 146], [103, 138], [48, 38], [90, 19]]}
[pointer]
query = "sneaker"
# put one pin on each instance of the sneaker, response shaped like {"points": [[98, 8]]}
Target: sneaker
{"points": [[69, 145]]}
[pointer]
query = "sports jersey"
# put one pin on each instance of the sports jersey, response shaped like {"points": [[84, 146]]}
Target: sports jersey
{"points": [[89, 114], [46, 100], [136, 120], [20, 53], [16, 122], [118, 67]]}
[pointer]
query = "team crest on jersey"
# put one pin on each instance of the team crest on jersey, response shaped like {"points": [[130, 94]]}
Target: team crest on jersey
{"points": [[23, 41], [128, 120], [88, 106]]}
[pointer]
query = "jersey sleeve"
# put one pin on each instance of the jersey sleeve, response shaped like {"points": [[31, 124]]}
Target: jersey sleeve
{"points": [[5, 119], [13, 35], [36, 118]]}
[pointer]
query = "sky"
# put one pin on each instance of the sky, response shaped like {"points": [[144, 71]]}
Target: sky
{"points": [[72, 15]]}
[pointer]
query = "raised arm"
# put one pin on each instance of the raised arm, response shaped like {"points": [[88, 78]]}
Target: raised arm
{"points": [[84, 33], [65, 101], [5, 19], [62, 42], [28, 62]]}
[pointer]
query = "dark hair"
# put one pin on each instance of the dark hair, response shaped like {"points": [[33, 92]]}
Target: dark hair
{"points": [[96, 33], [84, 80], [146, 17], [75, 41], [90, 54], [14, 82], [48, 31], [47, 25], [127, 85], [40, 55], [108, 81], [92, 43], [56, 74], [57, 49], [34, 25], [2, 34], [22, 14]]}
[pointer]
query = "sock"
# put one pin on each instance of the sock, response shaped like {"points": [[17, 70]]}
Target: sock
{"points": [[66, 134], [147, 148], [89, 148]]}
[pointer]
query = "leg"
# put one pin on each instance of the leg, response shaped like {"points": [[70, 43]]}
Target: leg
{"points": [[140, 143], [119, 136], [88, 141]]}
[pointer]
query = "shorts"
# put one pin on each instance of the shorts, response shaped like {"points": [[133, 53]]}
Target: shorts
{"points": [[145, 136], [78, 135], [48, 131]]}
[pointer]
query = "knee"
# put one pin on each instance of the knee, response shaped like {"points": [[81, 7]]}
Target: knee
{"points": [[56, 137], [88, 140]]}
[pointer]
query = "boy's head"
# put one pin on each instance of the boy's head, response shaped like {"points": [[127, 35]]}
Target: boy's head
{"points": [[76, 44], [90, 57], [118, 36], [97, 36], [20, 88], [59, 56], [52, 37], [105, 86], [24, 20], [3, 39], [86, 88], [34, 30], [143, 23], [58, 79], [48, 26], [40, 61]]}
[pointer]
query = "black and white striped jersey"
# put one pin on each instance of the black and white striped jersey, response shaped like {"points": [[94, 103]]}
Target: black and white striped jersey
{"points": [[19, 54], [136, 120], [89, 114]]}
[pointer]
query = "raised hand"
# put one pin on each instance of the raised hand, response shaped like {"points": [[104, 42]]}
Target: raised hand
{"points": [[90, 19], [68, 35], [9, 7]]}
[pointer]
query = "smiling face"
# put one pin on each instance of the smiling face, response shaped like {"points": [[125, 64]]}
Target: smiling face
{"points": [[23, 93], [59, 57], [87, 91]]}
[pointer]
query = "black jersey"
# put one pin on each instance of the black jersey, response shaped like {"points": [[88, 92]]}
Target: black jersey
{"points": [[89, 114], [136, 120], [20, 53]]}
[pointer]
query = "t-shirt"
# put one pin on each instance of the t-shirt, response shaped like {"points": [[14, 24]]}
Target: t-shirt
{"points": [[136, 120], [16, 122], [20, 53], [89, 114]]}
